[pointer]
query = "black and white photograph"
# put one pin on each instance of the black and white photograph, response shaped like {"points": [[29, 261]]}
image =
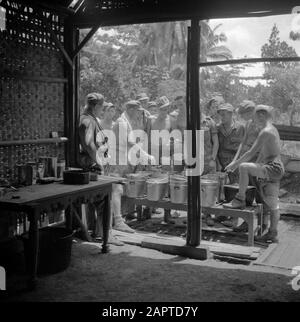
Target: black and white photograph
{"points": [[149, 154]]}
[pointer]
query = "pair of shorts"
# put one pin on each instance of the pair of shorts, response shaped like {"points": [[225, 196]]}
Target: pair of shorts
{"points": [[272, 171], [268, 184]]}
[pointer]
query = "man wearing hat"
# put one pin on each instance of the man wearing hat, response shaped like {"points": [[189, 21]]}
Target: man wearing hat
{"points": [[246, 112], [109, 111], [230, 134], [212, 107], [143, 99], [125, 141], [267, 170], [152, 109], [162, 121], [91, 134], [93, 152]]}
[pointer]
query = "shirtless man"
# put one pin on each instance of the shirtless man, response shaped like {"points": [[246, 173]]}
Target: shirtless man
{"points": [[268, 170], [93, 153], [246, 112]]}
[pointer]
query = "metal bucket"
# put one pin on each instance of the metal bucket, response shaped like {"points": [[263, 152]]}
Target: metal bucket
{"points": [[135, 188], [222, 179], [157, 189], [209, 192], [178, 192]]}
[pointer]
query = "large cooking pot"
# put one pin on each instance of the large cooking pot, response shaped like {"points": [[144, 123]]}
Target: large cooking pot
{"points": [[209, 192], [157, 188]]}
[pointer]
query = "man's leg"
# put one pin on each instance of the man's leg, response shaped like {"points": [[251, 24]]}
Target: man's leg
{"points": [[119, 223], [245, 170], [270, 193]]}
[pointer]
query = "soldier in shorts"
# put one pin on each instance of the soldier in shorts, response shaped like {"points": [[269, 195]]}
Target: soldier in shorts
{"points": [[267, 170]]}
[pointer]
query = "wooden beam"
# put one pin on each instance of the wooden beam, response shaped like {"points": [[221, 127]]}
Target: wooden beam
{"points": [[34, 141], [193, 124], [85, 40], [169, 12], [40, 79], [78, 6], [71, 109], [65, 11], [249, 60]]}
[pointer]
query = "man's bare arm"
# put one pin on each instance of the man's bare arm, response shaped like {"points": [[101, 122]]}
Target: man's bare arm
{"points": [[86, 134], [215, 140], [240, 147], [258, 144]]}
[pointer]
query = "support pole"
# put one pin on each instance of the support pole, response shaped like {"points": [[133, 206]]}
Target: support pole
{"points": [[193, 124], [71, 98]]}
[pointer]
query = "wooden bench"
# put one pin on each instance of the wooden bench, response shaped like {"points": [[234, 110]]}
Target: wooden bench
{"points": [[247, 214]]}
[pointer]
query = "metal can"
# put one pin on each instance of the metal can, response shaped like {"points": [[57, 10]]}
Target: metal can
{"points": [[40, 170], [21, 171], [61, 166], [33, 172]]}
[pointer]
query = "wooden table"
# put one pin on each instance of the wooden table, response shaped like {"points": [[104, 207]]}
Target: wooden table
{"points": [[247, 214], [36, 199]]}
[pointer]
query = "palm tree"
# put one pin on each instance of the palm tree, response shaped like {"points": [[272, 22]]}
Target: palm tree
{"points": [[210, 43], [165, 44]]}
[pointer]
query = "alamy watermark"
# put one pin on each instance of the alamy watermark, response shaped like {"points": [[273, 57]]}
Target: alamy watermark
{"points": [[295, 25], [159, 147], [296, 280], [2, 279]]}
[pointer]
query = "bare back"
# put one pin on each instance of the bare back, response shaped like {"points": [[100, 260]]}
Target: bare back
{"points": [[270, 146]]}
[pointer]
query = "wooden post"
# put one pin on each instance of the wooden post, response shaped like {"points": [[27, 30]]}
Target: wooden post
{"points": [[71, 96], [193, 124]]}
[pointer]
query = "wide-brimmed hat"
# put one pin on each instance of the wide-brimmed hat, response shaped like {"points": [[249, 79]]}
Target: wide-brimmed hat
{"points": [[225, 107], [95, 98], [163, 102], [133, 104], [246, 106], [142, 97], [266, 108], [108, 105], [218, 99], [152, 104]]}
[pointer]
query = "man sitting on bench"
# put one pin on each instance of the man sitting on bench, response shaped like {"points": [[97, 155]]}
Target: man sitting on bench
{"points": [[267, 170]]}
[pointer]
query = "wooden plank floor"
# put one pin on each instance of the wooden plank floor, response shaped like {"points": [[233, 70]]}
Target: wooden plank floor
{"points": [[219, 248], [285, 254]]}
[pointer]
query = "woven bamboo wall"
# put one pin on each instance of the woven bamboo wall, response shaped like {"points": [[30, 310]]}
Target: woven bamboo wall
{"points": [[31, 87]]}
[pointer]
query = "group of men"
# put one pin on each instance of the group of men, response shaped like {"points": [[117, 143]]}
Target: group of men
{"points": [[249, 151], [246, 151]]}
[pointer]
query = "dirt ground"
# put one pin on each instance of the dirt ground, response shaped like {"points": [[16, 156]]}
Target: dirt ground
{"points": [[135, 274]]}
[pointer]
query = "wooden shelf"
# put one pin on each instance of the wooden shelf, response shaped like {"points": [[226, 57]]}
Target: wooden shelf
{"points": [[34, 141], [35, 78]]}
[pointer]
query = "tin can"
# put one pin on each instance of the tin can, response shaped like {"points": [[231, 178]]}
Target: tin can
{"points": [[21, 171], [32, 174], [40, 170], [61, 166]]}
